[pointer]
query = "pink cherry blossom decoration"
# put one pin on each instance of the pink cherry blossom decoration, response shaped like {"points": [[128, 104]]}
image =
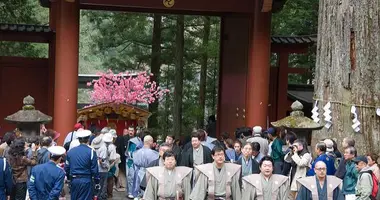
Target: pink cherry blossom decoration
{"points": [[125, 88]]}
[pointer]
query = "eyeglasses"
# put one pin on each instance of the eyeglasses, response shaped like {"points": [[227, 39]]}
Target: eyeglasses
{"points": [[321, 169]]}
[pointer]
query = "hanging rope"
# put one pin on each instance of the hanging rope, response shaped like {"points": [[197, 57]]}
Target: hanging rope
{"points": [[346, 104]]}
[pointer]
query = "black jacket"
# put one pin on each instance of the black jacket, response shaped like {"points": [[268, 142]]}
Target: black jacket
{"points": [[121, 143], [255, 166], [188, 160]]}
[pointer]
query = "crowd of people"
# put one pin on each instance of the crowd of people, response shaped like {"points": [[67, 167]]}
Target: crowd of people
{"points": [[259, 164]]}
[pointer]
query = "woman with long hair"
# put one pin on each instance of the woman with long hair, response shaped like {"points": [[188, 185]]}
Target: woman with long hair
{"points": [[19, 162]]}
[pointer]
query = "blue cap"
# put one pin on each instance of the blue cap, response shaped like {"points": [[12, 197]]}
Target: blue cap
{"points": [[270, 131]]}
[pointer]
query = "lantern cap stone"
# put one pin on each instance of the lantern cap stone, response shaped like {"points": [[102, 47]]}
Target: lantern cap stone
{"points": [[297, 120], [28, 113]]}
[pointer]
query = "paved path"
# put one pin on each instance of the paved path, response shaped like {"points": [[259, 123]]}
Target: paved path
{"points": [[116, 196]]}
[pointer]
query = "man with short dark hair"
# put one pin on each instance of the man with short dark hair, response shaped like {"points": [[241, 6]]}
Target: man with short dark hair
{"points": [[320, 150], [276, 150], [46, 180], [43, 155], [266, 185], [257, 155], [248, 165], [348, 173], [198, 154], [133, 145], [7, 139], [177, 151], [238, 149], [217, 180], [168, 181]]}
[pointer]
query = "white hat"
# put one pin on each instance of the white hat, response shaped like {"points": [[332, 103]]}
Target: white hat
{"points": [[107, 137], [105, 130], [257, 129], [329, 145], [97, 141], [57, 150], [83, 134], [113, 133]]}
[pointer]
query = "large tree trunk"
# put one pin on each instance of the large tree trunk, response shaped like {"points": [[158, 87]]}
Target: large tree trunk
{"points": [[347, 70], [203, 75], [155, 65], [178, 82]]}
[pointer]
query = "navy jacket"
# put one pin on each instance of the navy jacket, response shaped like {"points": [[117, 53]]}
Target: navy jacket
{"points": [[43, 156], [6, 181], [46, 182], [82, 161], [329, 161]]}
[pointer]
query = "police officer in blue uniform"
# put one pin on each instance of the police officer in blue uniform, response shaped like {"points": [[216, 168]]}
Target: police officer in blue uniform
{"points": [[82, 168], [46, 180], [6, 182]]}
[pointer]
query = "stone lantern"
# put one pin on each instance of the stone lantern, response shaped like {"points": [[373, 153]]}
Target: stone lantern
{"points": [[28, 120], [298, 123]]}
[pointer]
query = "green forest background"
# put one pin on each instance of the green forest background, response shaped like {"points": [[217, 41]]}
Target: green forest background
{"points": [[128, 41]]}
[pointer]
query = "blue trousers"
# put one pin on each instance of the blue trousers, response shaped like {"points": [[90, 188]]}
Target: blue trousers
{"points": [[81, 189], [139, 175], [130, 173], [278, 165]]}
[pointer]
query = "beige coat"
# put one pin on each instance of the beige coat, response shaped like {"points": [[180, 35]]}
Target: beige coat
{"points": [[157, 188], [252, 188], [310, 183], [303, 165], [205, 182]]}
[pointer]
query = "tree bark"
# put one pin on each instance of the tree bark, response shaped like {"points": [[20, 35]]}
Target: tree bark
{"points": [[347, 70], [203, 74], [155, 65], [178, 82]]}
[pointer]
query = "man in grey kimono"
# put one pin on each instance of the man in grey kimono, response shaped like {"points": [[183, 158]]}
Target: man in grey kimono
{"points": [[320, 186], [169, 181], [266, 185], [217, 180]]}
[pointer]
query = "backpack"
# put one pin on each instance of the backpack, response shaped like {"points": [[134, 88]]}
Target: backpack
{"points": [[375, 185], [67, 144]]}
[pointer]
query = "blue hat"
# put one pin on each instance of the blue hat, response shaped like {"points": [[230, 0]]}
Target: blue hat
{"points": [[270, 131]]}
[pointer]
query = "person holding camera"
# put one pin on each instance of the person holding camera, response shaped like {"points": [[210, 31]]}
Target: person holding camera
{"points": [[300, 159]]}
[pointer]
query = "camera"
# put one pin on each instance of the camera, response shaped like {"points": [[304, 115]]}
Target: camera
{"points": [[292, 147]]}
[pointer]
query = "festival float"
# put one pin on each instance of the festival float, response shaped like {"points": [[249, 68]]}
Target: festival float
{"points": [[118, 101]]}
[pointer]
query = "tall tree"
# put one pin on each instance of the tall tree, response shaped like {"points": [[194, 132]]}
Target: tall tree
{"points": [[178, 82], [348, 69], [155, 65], [203, 74]]}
